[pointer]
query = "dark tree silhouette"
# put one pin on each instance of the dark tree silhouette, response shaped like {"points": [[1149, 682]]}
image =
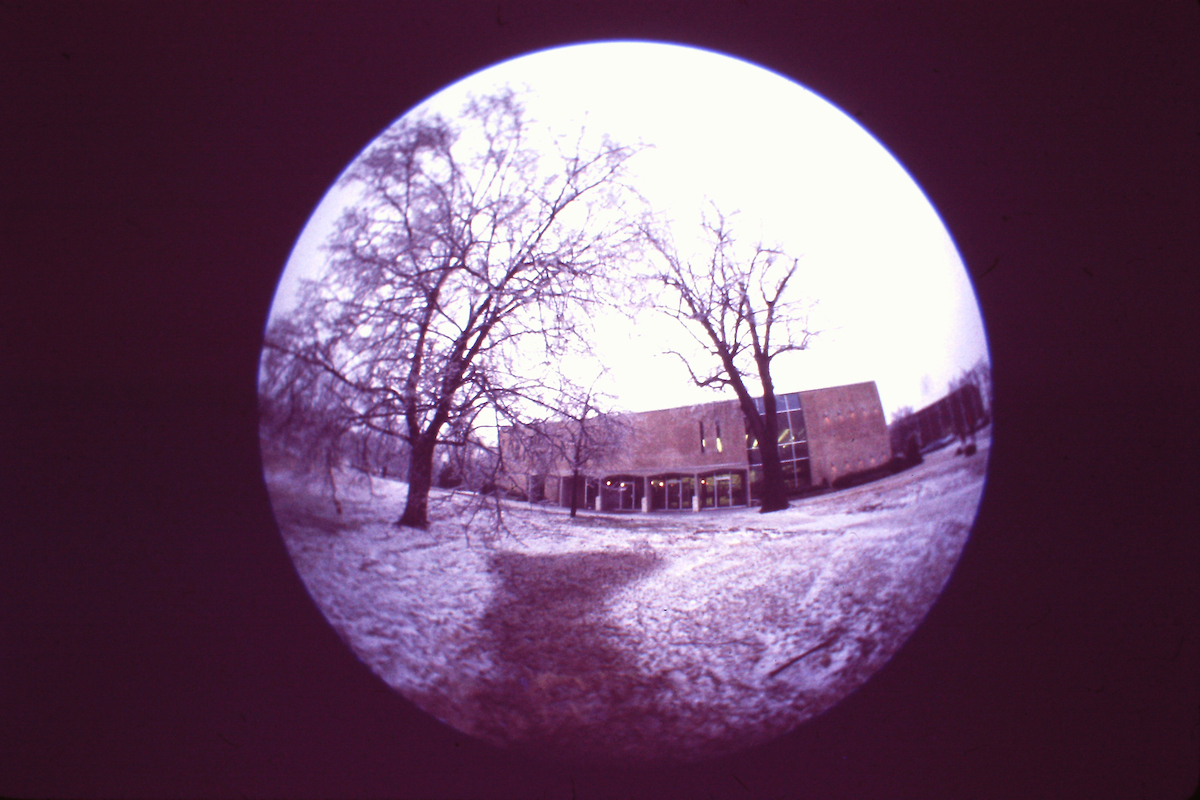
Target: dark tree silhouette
{"points": [[467, 241], [580, 431], [737, 308], [980, 375]]}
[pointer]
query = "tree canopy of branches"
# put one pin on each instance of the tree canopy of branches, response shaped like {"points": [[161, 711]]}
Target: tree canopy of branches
{"points": [[578, 432], [471, 245], [980, 374], [300, 414], [738, 309]]}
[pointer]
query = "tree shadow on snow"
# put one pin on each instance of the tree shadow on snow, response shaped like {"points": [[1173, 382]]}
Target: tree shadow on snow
{"points": [[563, 675]]}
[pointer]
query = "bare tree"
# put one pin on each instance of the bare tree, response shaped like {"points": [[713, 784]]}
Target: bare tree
{"points": [[737, 307], [468, 240], [305, 418], [980, 375], [580, 431]]}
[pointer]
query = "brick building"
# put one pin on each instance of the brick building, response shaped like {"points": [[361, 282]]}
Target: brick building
{"points": [[700, 456], [957, 415]]}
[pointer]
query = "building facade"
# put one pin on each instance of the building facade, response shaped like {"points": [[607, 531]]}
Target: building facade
{"points": [[700, 456], [957, 415]]}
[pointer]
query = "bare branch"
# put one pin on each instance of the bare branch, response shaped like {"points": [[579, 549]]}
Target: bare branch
{"points": [[738, 308], [467, 245]]}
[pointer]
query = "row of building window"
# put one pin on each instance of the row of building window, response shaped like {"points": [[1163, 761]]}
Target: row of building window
{"points": [[851, 413], [783, 402], [792, 444], [791, 402], [704, 441]]}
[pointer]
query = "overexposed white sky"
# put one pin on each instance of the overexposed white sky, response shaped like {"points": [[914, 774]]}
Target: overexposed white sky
{"points": [[894, 303]]}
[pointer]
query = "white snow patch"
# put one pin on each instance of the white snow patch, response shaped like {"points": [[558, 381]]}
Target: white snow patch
{"points": [[640, 635]]}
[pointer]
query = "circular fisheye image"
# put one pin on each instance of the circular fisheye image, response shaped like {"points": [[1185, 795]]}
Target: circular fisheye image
{"points": [[625, 401]]}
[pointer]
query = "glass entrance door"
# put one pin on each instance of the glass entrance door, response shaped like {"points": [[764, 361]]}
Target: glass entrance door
{"points": [[671, 492], [625, 491], [723, 490], [621, 493], [675, 493]]}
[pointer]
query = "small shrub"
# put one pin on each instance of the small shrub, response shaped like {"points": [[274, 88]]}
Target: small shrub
{"points": [[448, 478]]}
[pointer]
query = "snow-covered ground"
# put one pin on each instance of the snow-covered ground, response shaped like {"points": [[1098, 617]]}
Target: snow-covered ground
{"points": [[649, 636]]}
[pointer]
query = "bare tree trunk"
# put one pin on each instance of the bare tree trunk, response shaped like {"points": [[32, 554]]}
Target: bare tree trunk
{"points": [[331, 476], [765, 429], [774, 492], [574, 492], [420, 479]]}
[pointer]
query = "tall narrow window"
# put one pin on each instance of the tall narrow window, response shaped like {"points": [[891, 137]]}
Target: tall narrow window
{"points": [[701, 436], [720, 449]]}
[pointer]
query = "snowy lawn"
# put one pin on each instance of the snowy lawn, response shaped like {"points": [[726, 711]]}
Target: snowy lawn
{"points": [[664, 635]]}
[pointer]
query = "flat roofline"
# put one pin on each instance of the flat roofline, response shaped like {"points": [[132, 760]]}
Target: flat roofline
{"points": [[735, 400]]}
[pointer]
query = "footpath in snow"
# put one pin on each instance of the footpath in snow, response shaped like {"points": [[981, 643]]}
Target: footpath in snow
{"points": [[666, 635]]}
